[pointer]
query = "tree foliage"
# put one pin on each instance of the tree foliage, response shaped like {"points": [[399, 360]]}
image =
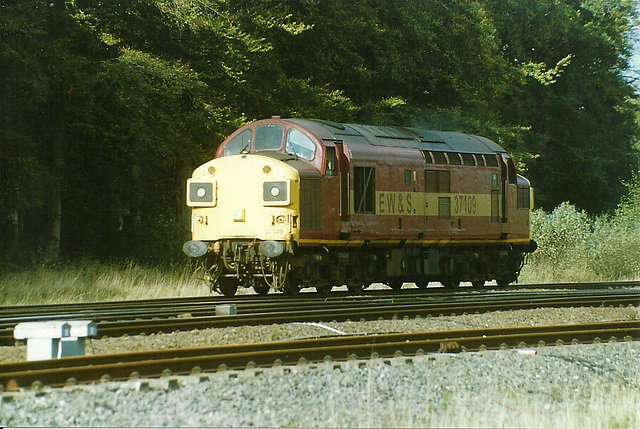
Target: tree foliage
{"points": [[106, 107], [580, 108]]}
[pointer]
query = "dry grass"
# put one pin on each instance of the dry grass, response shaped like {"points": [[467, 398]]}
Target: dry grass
{"points": [[93, 282], [603, 409], [605, 406], [572, 247]]}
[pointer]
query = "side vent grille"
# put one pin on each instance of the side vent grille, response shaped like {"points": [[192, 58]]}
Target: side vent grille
{"points": [[310, 207]]}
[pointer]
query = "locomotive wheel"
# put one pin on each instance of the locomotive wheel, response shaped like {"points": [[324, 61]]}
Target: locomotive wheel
{"points": [[261, 290], [324, 290], [291, 289], [396, 285], [450, 283], [355, 288], [228, 286], [503, 282]]}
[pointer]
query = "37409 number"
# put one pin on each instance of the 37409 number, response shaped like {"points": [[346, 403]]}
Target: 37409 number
{"points": [[465, 205]]}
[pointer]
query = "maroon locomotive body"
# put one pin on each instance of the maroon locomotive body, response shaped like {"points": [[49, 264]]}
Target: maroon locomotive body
{"points": [[363, 204]]}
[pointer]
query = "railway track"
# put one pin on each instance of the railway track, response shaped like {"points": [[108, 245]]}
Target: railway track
{"points": [[147, 317], [154, 364], [203, 305], [174, 306]]}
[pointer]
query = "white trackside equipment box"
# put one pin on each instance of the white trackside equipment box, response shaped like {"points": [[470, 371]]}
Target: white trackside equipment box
{"points": [[55, 339]]}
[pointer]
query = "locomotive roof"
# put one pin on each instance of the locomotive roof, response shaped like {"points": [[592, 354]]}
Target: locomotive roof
{"points": [[399, 137]]}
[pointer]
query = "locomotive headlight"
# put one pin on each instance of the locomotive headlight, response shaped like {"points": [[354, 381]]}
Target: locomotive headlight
{"points": [[275, 193], [195, 249], [201, 193], [271, 249]]}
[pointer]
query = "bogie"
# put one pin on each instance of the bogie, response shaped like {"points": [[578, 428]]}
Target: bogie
{"points": [[324, 268]]}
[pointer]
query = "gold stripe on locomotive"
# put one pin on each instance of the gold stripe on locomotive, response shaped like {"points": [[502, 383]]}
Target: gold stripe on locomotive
{"points": [[389, 203]]}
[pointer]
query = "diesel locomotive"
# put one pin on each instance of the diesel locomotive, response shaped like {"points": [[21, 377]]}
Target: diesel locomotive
{"points": [[294, 203]]}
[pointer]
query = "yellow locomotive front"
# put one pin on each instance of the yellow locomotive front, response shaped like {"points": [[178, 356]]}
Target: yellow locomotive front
{"points": [[244, 222]]}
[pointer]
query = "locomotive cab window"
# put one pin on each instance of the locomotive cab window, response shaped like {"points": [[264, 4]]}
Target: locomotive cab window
{"points": [[268, 137], [300, 145], [241, 142], [407, 177], [364, 193], [330, 161]]}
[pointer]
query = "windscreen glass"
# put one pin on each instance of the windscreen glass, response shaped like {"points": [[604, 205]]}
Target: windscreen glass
{"points": [[268, 137], [300, 145], [241, 142]]}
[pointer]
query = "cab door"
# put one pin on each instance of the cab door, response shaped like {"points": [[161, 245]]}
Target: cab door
{"points": [[343, 169], [503, 183], [335, 192], [508, 181]]}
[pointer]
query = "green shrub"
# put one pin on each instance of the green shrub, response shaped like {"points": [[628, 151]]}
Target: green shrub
{"points": [[574, 246]]}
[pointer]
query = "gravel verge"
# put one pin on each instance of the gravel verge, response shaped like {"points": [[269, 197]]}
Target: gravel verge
{"points": [[577, 386], [291, 331], [569, 386]]}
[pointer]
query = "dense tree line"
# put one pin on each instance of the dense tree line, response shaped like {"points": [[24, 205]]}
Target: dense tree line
{"points": [[106, 107]]}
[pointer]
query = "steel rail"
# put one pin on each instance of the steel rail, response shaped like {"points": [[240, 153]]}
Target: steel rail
{"points": [[355, 308], [171, 309], [140, 307], [372, 312], [187, 361], [174, 308]]}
